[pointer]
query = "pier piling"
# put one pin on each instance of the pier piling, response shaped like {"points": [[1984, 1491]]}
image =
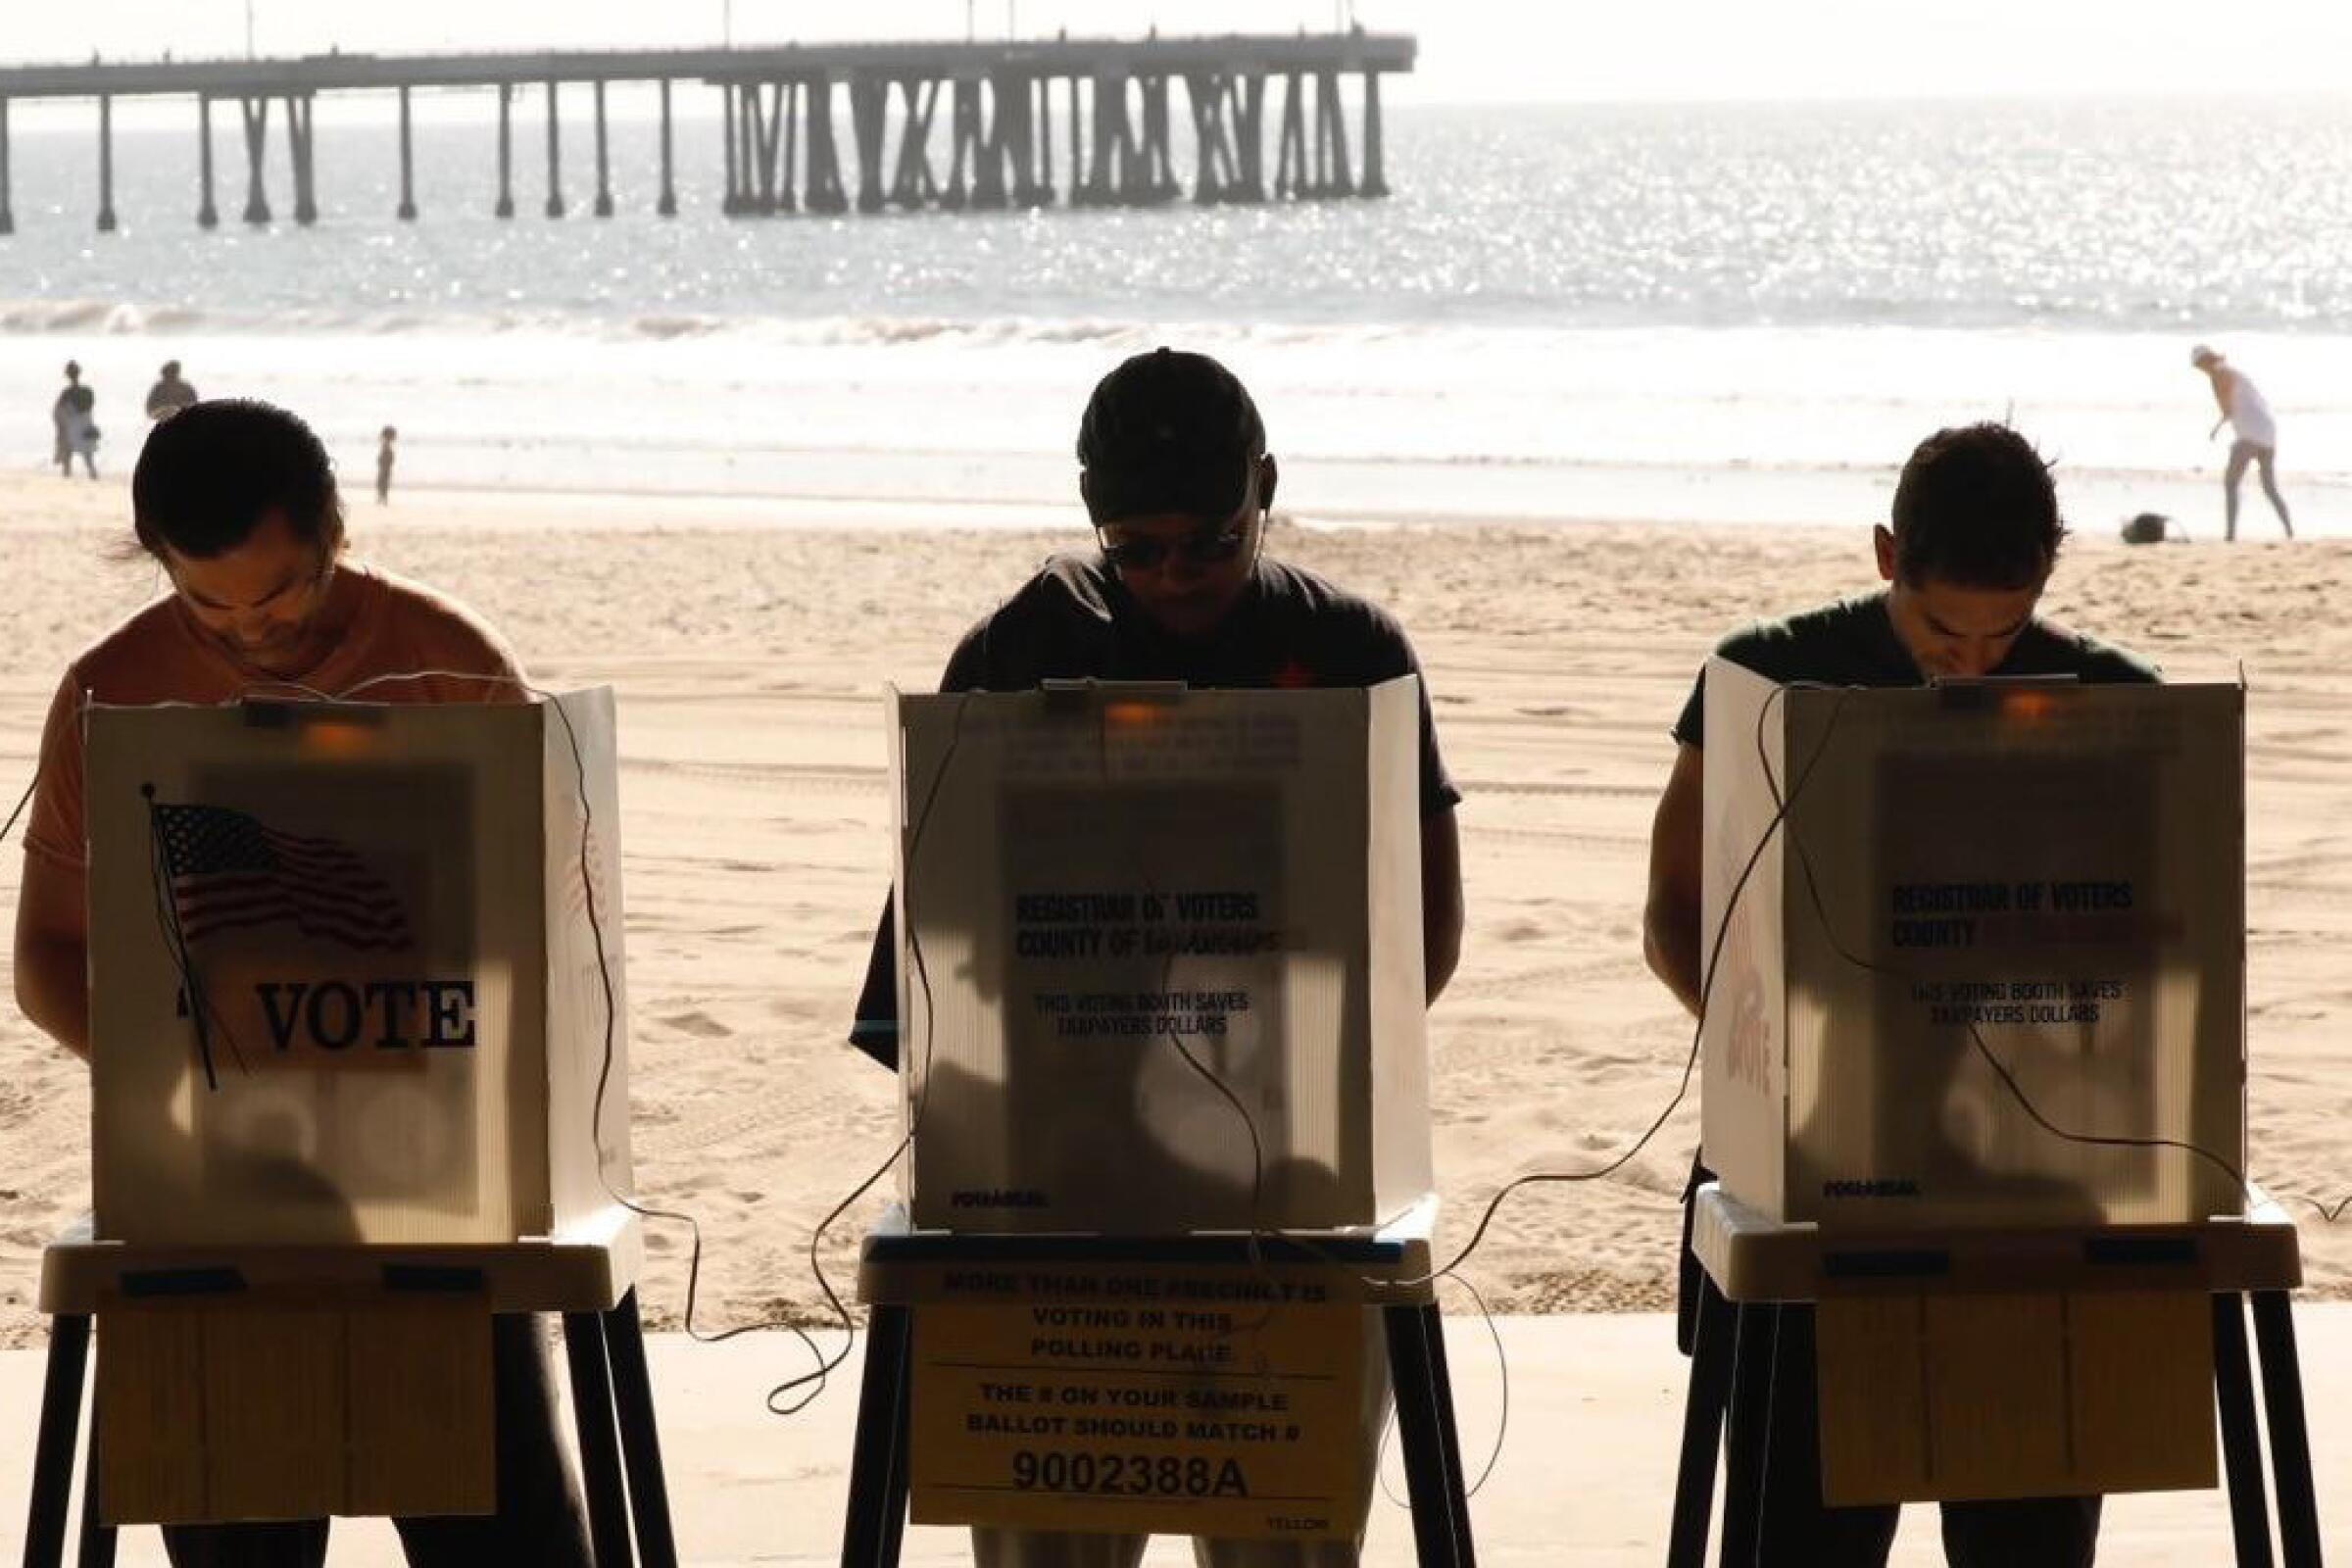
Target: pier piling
{"points": [[302, 144], [1041, 186], [667, 204], [253, 113], [604, 165], [825, 193], [407, 211], [870, 112], [1334, 176], [1290, 154], [106, 164], [506, 150], [208, 215], [555, 156], [732, 203], [1375, 183], [789, 94], [8, 216], [769, 105]]}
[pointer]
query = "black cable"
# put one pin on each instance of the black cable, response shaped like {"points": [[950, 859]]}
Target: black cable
{"points": [[606, 1064], [1705, 992], [902, 914], [23, 800]]}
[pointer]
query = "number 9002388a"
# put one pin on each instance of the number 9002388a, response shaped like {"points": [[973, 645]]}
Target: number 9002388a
{"points": [[1128, 1475]]}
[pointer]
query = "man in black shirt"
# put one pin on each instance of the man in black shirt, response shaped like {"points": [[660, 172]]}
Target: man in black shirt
{"points": [[1976, 532], [1175, 474]]}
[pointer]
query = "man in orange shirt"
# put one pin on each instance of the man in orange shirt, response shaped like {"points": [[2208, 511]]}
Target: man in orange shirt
{"points": [[236, 502]]}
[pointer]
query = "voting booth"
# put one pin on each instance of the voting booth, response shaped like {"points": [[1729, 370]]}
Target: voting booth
{"points": [[356, 977], [2050, 874], [1130, 916], [345, 986]]}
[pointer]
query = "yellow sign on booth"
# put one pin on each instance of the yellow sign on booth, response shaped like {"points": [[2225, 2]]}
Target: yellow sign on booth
{"points": [[1213, 1401]]}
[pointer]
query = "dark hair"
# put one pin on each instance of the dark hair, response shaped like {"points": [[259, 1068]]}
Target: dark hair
{"points": [[210, 474], [1975, 507], [1168, 431]]}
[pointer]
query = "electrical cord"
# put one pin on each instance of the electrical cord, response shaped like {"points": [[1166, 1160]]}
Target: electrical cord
{"points": [[609, 1053]]}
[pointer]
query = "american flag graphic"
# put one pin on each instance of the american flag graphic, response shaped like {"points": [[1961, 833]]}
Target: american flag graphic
{"points": [[229, 871]]}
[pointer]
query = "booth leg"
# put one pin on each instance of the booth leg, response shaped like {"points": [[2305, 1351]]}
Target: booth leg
{"points": [[2290, 1439], [1433, 1329], [1749, 1443], [640, 1439], [1418, 1436], [2241, 1438], [1703, 1409], [53, 1448], [599, 1450], [97, 1549], [877, 1513]]}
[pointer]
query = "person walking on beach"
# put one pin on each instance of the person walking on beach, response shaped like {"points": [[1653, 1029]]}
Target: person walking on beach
{"points": [[1973, 537], [2254, 435], [383, 466], [1176, 479], [73, 415], [170, 394], [237, 504]]}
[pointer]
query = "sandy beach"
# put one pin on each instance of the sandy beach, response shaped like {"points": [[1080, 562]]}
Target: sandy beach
{"points": [[748, 659]]}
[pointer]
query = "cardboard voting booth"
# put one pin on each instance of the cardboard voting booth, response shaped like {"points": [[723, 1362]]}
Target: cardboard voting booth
{"points": [[2049, 872], [343, 981], [1114, 899]]}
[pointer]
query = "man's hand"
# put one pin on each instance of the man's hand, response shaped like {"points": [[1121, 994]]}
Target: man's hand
{"points": [[1670, 923]]}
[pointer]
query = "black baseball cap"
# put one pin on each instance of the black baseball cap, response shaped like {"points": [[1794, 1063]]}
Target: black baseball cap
{"points": [[1168, 432]]}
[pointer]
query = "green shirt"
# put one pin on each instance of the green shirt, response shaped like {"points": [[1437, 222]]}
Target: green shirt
{"points": [[1853, 643]]}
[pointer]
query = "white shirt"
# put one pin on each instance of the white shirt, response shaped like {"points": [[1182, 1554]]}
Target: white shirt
{"points": [[2249, 415]]}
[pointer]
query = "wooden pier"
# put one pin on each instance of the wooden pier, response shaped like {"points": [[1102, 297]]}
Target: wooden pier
{"points": [[959, 126]]}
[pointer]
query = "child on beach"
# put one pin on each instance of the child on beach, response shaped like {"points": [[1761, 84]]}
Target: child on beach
{"points": [[383, 466]]}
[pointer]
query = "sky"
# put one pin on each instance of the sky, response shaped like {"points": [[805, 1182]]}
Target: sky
{"points": [[1471, 51]]}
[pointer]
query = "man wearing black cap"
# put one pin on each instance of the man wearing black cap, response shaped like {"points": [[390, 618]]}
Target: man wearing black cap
{"points": [[1173, 467], [1175, 474]]}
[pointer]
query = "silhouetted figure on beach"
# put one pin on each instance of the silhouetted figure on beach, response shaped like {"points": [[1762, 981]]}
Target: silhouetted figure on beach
{"points": [[170, 394], [74, 414], [383, 466], [2256, 435]]}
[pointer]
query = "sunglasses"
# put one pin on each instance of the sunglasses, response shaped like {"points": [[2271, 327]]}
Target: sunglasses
{"points": [[1203, 549]]}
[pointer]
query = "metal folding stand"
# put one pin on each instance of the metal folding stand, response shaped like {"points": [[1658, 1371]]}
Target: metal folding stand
{"points": [[587, 1274], [1753, 1267], [876, 1522]]}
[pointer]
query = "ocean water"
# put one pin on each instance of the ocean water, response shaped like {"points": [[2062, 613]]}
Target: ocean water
{"points": [[1722, 312]]}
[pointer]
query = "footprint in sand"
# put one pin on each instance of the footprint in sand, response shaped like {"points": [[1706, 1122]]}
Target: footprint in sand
{"points": [[699, 1024]]}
